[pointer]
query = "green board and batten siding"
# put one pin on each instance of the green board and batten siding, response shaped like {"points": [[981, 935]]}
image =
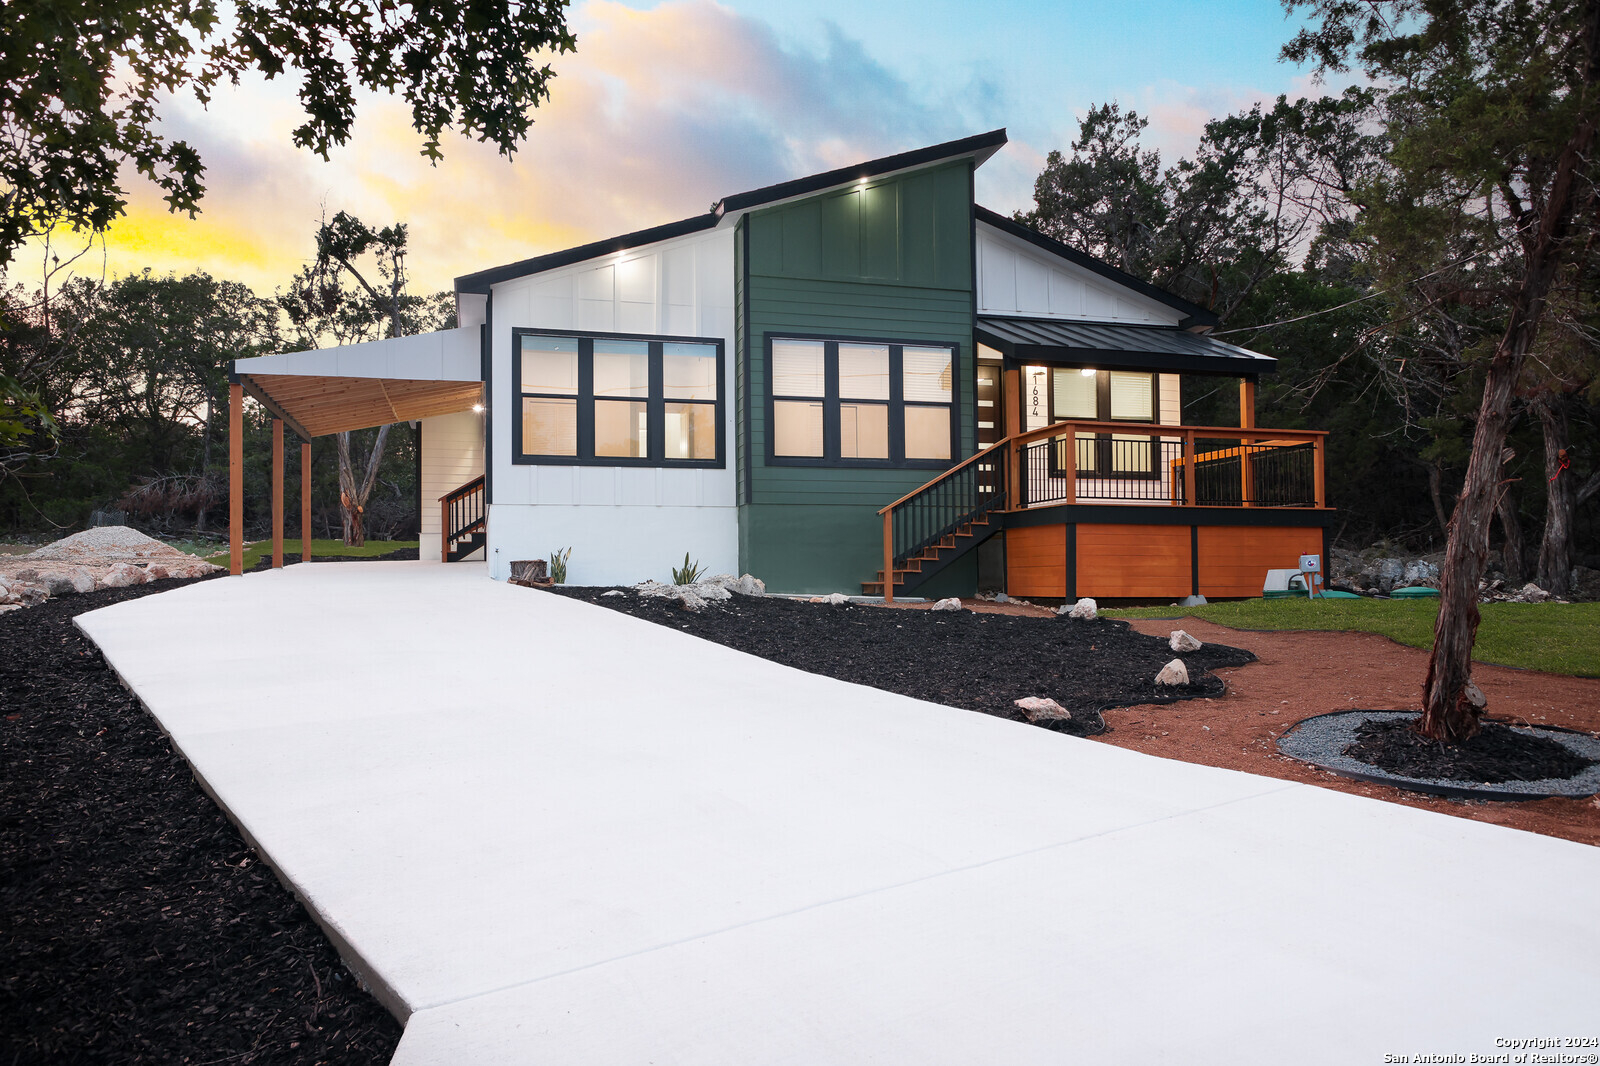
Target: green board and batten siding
{"points": [[889, 260]]}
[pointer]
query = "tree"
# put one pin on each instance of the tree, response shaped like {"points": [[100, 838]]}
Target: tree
{"points": [[1490, 103], [320, 303], [80, 81]]}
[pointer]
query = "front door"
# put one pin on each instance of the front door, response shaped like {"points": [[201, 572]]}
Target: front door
{"points": [[991, 413]]}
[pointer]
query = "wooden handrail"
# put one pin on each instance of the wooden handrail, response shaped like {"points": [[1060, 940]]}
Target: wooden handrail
{"points": [[974, 457], [1157, 429], [462, 490]]}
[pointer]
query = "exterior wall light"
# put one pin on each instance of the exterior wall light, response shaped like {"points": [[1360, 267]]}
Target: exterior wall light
{"points": [[477, 408]]}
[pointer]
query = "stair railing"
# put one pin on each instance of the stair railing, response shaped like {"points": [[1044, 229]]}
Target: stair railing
{"points": [[964, 493], [461, 512]]}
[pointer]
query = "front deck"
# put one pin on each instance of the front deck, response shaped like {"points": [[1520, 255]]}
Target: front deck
{"points": [[1120, 510]]}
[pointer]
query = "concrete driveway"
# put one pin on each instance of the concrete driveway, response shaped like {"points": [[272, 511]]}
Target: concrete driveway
{"points": [[547, 832]]}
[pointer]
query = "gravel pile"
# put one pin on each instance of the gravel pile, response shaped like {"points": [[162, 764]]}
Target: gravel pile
{"points": [[106, 544]]}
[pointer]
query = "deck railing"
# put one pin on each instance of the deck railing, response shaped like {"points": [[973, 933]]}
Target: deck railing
{"points": [[1109, 462]]}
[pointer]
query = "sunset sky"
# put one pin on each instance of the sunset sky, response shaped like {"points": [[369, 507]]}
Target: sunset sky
{"points": [[668, 106]]}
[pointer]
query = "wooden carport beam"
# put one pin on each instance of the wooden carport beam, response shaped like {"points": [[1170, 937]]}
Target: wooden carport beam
{"points": [[277, 494], [235, 478], [1247, 420]]}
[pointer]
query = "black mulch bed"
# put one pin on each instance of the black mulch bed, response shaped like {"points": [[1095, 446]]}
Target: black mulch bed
{"points": [[136, 926], [980, 662], [1502, 762], [1496, 755]]}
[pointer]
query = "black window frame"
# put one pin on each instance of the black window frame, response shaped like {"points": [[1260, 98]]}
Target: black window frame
{"points": [[1103, 441], [656, 401], [831, 400]]}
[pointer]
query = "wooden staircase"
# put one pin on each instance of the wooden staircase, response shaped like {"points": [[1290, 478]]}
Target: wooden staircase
{"points": [[934, 557], [930, 528], [463, 523]]}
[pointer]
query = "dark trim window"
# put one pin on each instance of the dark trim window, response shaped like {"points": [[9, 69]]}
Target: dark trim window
{"points": [[1106, 396], [848, 402], [615, 399]]}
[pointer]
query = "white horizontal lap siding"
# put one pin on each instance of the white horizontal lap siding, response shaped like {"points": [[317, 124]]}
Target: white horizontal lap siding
{"points": [[621, 522], [1016, 278], [452, 455]]}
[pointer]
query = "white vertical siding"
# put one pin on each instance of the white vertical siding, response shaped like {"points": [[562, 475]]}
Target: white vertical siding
{"points": [[452, 455], [1015, 278], [621, 522]]}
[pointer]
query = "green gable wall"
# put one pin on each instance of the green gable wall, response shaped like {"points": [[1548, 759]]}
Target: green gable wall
{"points": [[889, 260]]}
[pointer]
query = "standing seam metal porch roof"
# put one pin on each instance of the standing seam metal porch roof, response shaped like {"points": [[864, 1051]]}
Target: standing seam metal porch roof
{"points": [[1146, 347]]}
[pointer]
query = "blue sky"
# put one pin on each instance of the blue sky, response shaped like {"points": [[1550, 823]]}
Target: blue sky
{"points": [[670, 104]]}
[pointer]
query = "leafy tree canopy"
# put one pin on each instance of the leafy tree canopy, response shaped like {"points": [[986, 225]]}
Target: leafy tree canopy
{"points": [[80, 82]]}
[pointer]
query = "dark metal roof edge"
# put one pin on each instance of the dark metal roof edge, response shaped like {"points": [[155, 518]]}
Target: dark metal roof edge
{"points": [[1255, 363], [1196, 315], [984, 144], [481, 281]]}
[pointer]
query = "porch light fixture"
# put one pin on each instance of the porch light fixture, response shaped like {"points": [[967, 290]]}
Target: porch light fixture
{"points": [[1087, 371], [477, 408]]}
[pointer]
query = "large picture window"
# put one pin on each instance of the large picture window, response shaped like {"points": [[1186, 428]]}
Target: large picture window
{"points": [[847, 403], [1083, 393], [615, 400]]}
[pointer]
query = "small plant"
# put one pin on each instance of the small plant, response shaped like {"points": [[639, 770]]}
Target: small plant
{"points": [[558, 565], [688, 573]]}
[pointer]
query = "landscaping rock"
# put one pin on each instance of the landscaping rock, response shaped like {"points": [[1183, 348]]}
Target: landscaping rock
{"points": [[1038, 708], [613, 592], [60, 580], [746, 585], [4, 607], [1531, 593], [951, 603], [1181, 641], [1192, 601], [689, 597], [121, 575], [1380, 569], [1085, 610], [1174, 673], [1001, 597], [834, 598]]}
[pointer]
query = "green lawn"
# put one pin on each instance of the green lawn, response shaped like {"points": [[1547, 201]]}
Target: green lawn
{"points": [[1561, 638], [291, 550]]}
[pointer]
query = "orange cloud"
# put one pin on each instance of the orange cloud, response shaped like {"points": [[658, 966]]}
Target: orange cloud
{"points": [[640, 129]]}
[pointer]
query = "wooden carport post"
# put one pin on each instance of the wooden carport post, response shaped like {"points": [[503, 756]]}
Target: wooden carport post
{"points": [[1247, 420], [235, 478], [277, 494], [305, 501]]}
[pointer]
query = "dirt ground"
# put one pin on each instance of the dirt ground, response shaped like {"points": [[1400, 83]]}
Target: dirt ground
{"points": [[1302, 674]]}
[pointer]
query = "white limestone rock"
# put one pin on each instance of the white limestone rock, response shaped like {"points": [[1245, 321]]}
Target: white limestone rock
{"points": [[950, 603], [1181, 641], [1085, 610], [836, 599], [613, 592], [4, 607], [1531, 593], [1174, 673], [745, 585], [1039, 708]]}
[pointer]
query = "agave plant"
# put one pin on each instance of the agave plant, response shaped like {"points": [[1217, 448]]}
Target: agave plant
{"points": [[688, 573]]}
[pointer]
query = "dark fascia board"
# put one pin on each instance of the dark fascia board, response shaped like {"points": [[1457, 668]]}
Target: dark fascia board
{"points": [[1195, 315], [1049, 354], [483, 280], [981, 147]]}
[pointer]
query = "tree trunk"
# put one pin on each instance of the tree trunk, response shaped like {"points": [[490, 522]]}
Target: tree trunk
{"points": [[1555, 550], [352, 494], [1515, 550]]}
